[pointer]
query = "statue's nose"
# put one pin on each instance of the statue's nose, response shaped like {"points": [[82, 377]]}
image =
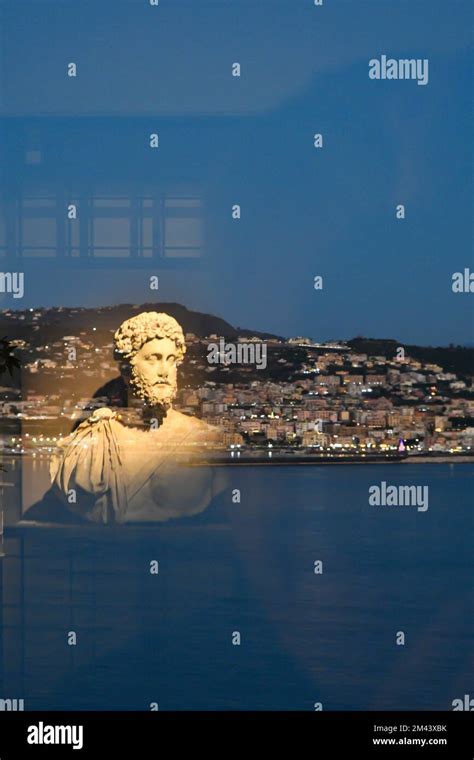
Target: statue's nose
{"points": [[162, 370]]}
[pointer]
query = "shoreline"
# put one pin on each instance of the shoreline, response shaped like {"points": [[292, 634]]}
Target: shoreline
{"points": [[442, 459], [289, 460], [309, 460]]}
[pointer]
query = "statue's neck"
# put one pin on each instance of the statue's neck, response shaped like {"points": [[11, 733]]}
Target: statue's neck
{"points": [[141, 414]]}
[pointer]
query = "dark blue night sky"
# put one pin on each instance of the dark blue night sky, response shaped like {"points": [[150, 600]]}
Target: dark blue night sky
{"points": [[305, 212]]}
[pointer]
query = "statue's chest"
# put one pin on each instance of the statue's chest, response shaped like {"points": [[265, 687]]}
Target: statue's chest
{"points": [[159, 481], [148, 457]]}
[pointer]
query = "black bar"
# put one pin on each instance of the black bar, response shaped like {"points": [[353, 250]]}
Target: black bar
{"points": [[445, 734]]}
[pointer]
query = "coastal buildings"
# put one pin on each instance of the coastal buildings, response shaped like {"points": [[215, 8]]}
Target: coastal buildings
{"points": [[316, 397]]}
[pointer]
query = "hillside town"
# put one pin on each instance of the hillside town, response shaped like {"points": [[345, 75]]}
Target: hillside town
{"points": [[311, 397]]}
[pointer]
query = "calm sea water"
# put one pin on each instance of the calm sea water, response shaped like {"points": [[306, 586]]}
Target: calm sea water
{"points": [[249, 568]]}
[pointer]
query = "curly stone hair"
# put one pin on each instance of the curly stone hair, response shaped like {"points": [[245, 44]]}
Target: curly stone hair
{"points": [[135, 332]]}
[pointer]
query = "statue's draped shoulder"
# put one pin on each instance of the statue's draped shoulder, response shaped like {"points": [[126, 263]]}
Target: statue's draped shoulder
{"points": [[88, 460]]}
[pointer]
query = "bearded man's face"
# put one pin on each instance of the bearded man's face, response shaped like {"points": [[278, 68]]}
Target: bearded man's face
{"points": [[154, 372]]}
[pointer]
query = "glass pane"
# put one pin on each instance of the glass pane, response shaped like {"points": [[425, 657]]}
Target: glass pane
{"points": [[112, 202], [110, 233], [39, 252], [74, 228], [183, 232], [114, 253], [182, 253], [182, 203], [38, 232], [147, 233], [39, 202]]}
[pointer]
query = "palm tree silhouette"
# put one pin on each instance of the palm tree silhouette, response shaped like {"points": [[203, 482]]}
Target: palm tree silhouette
{"points": [[8, 362]]}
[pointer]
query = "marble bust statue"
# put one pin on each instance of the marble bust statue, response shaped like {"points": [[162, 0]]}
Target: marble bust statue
{"points": [[139, 463]]}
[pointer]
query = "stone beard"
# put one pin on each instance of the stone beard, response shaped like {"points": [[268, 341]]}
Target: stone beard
{"points": [[160, 397]]}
